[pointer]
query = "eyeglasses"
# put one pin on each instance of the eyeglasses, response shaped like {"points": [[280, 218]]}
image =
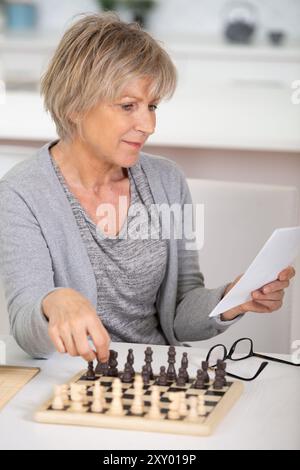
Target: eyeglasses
{"points": [[240, 350]]}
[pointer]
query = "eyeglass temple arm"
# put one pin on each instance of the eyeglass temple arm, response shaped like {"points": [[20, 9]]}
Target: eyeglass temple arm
{"points": [[248, 379], [262, 356]]}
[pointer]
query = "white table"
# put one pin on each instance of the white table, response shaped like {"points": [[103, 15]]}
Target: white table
{"points": [[266, 416]]}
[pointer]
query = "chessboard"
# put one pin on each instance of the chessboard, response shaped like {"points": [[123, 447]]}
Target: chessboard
{"points": [[12, 379], [106, 401]]}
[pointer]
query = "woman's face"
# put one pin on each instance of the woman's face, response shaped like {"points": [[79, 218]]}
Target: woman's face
{"points": [[107, 128]]}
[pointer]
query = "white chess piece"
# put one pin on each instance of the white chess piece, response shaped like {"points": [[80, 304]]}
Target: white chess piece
{"points": [[173, 412], [98, 398], [192, 413], [201, 408], [154, 411], [76, 398], [57, 402], [116, 407], [137, 407], [183, 411]]}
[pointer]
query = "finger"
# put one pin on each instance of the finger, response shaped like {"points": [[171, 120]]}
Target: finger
{"points": [[274, 286], [266, 306], [57, 341], [100, 339], [278, 295], [69, 343], [287, 273], [82, 345]]}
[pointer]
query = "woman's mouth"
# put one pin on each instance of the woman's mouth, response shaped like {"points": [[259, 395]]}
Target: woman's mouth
{"points": [[136, 145]]}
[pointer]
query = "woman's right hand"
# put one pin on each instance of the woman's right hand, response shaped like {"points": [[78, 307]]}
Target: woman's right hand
{"points": [[72, 319]]}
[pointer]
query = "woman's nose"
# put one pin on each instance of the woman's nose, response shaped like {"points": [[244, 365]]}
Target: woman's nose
{"points": [[146, 123]]}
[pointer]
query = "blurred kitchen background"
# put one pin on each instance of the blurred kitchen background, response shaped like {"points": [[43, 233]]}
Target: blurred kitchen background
{"points": [[233, 124]]}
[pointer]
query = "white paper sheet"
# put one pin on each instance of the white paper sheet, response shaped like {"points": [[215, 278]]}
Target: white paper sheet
{"points": [[278, 253]]}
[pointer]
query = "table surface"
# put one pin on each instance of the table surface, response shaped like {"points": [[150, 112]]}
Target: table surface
{"points": [[265, 417]]}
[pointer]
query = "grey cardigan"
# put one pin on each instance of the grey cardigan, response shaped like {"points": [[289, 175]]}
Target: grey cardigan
{"points": [[41, 250]]}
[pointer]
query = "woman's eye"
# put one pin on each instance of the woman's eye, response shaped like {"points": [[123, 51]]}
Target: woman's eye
{"points": [[127, 107]]}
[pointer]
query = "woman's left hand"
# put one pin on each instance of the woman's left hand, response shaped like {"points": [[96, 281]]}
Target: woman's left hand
{"points": [[267, 299]]}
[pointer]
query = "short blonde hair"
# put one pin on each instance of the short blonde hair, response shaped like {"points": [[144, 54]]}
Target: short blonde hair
{"points": [[94, 60]]}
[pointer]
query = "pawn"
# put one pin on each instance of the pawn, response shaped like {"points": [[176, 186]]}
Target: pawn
{"points": [[145, 375], [205, 370], [58, 401], [116, 407], [201, 408], [65, 393], [183, 411], [173, 412], [98, 398], [181, 379], [154, 411], [192, 413], [127, 376], [137, 407], [90, 375], [200, 381], [162, 379]]}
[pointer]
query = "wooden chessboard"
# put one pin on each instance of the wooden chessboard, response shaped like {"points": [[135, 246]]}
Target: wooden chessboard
{"points": [[12, 379], [217, 403]]}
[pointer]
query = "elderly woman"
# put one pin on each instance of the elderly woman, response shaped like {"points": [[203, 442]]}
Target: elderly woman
{"points": [[69, 271]]}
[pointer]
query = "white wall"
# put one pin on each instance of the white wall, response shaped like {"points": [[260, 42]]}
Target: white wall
{"points": [[182, 16]]}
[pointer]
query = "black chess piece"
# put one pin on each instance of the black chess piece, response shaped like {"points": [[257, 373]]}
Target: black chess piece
{"points": [[218, 382], [221, 366], [162, 379], [127, 376], [90, 375], [130, 360], [145, 375], [181, 379], [200, 380], [205, 370], [171, 372], [113, 363], [184, 365], [148, 360]]}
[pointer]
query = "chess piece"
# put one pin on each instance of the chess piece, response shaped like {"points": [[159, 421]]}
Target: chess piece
{"points": [[130, 360], [65, 393], [154, 411], [113, 363], [181, 379], [200, 381], [221, 366], [116, 407], [173, 412], [148, 360], [76, 398], [184, 365], [182, 405], [58, 400], [90, 375], [102, 368], [192, 412], [145, 375], [201, 408], [127, 376], [205, 370], [98, 398], [137, 407], [162, 379], [171, 372]]}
